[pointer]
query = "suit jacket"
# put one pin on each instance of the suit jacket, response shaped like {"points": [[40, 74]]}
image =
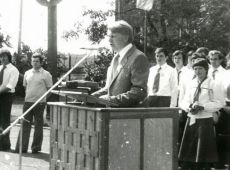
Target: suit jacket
{"points": [[129, 85]]}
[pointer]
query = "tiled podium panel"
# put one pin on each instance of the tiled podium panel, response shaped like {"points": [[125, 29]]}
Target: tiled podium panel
{"points": [[158, 144], [124, 144], [84, 138], [143, 140]]}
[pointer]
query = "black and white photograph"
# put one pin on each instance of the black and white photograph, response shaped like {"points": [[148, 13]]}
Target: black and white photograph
{"points": [[114, 84]]}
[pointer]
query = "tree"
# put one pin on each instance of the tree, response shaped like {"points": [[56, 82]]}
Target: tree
{"points": [[96, 30], [96, 70], [4, 39], [181, 24]]}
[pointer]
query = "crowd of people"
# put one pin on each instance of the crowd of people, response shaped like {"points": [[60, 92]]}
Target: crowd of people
{"points": [[36, 82], [201, 89], [203, 92]]}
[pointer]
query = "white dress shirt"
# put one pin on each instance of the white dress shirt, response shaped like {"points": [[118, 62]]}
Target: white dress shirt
{"points": [[10, 77], [167, 85], [228, 85], [179, 79], [206, 99], [121, 54], [220, 84], [186, 78]]}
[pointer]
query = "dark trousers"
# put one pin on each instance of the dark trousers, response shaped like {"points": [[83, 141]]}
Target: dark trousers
{"points": [[5, 113], [158, 101], [37, 114], [223, 139]]}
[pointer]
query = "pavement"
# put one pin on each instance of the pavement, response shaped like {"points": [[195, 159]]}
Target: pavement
{"points": [[39, 161]]}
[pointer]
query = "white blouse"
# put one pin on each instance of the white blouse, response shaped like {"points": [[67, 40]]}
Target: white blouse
{"points": [[206, 99]]}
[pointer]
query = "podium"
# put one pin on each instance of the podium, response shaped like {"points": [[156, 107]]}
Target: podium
{"points": [[92, 138]]}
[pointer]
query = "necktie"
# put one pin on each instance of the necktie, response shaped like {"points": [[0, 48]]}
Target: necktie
{"points": [[156, 81], [214, 74], [178, 76], [115, 65], [198, 90], [2, 73], [178, 79]]}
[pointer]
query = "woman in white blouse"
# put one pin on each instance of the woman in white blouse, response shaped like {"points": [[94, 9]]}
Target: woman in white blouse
{"points": [[198, 148]]}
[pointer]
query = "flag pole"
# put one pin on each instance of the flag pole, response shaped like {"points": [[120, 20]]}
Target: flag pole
{"points": [[145, 32], [20, 28]]}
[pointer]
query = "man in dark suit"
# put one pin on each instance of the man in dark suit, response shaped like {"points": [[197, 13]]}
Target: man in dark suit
{"points": [[128, 73]]}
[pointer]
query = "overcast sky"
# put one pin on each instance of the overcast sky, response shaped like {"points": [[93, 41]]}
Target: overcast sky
{"points": [[34, 25]]}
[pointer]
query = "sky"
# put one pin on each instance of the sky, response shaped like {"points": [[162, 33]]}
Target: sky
{"points": [[34, 22]]}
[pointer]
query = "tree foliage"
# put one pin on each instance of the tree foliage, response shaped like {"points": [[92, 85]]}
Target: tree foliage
{"points": [[182, 24], [96, 70], [4, 39], [96, 30]]}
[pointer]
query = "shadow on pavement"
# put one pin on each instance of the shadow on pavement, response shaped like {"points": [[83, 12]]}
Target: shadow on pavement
{"points": [[41, 155]]}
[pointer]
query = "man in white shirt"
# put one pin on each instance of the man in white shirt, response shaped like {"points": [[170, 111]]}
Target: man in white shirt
{"points": [[8, 80], [36, 82], [162, 82], [180, 69], [218, 74]]}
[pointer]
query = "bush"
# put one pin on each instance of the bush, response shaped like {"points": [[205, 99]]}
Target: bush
{"points": [[96, 70]]}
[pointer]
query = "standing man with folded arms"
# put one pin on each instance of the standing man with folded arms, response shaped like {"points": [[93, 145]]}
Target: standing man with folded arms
{"points": [[8, 80], [36, 82], [127, 75]]}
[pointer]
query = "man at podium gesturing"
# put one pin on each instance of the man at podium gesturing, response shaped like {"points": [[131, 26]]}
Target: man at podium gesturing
{"points": [[127, 75]]}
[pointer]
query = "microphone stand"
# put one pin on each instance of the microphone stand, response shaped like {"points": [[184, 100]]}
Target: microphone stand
{"points": [[43, 96]]}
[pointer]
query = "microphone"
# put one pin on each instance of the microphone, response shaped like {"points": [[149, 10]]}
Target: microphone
{"points": [[92, 48]]}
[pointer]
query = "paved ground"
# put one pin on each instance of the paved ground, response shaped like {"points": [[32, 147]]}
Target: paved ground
{"points": [[10, 161]]}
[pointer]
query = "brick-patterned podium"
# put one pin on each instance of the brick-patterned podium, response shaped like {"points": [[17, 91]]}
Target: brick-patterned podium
{"points": [[84, 138]]}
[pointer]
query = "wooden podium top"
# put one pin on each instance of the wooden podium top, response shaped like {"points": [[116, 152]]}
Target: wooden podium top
{"points": [[85, 98]]}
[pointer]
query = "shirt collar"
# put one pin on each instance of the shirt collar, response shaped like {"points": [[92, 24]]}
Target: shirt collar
{"points": [[124, 51], [162, 66], [181, 69], [40, 70], [7, 65], [220, 68]]}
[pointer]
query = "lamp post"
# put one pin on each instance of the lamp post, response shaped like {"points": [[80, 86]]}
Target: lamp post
{"points": [[52, 35], [20, 28]]}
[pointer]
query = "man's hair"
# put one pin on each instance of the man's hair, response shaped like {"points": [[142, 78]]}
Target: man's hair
{"points": [[39, 56], [163, 50], [197, 55], [123, 28], [7, 53], [204, 50], [215, 52], [190, 53], [179, 52]]}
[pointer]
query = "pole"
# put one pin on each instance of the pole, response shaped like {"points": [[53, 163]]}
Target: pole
{"points": [[20, 146], [145, 32], [52, 41], [70, 65], [20, 28], [44, 95]]}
